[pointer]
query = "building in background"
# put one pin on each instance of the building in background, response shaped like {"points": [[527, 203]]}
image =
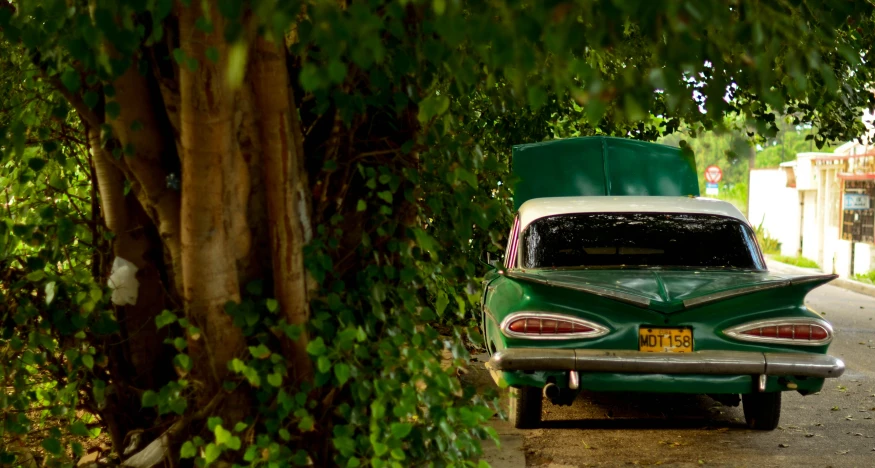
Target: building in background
{"points": [[820, 206]]}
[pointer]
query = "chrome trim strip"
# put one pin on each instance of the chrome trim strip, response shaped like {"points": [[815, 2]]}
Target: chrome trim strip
{"points": [[812, 278], [718, 296], [598, 291], [547, 359], [637, 362], [735, 332], [598, 330], [793, 363]]}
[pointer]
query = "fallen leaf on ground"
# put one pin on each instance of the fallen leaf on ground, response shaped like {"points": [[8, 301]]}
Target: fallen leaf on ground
{"points": [[783, 445]]}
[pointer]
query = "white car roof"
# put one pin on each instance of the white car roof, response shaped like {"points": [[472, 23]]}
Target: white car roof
{"points": [[537, 208]]}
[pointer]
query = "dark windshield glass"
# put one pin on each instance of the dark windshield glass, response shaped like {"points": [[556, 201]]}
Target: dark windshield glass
{"points": [[639, 240]]}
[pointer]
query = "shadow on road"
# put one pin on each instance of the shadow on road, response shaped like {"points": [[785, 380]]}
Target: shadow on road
{"points": [[642, 411]]}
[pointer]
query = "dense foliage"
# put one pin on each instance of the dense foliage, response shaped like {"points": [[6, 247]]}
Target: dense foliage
{"points": [[306, 187]]}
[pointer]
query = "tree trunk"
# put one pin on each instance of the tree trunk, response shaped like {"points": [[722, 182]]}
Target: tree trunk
{"points": [[138, 128], [139, 360], [209, 273], [286, 188]]}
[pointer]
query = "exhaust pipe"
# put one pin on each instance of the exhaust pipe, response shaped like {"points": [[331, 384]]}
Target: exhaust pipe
{"points": [[551, 391]]}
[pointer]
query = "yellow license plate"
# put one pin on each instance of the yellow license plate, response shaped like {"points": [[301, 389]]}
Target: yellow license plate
{"points": [[665, 340]]}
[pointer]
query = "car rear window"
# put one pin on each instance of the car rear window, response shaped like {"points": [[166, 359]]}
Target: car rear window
{"points": [[639, 240]]}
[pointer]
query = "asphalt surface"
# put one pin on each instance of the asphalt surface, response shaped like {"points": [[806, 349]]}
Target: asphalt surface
{"points": [[834, 428]]}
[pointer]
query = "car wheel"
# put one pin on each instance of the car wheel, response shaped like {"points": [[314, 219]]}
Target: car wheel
{"points": [[762, 410], [525, 407]]}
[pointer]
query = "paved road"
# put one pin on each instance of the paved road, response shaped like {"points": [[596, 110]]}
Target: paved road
{"points": [[834, 428]]}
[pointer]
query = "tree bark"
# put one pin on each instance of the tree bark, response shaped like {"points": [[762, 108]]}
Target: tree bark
{"points": [[139, 358], [209, 271], [137, 127], [286, 187]]}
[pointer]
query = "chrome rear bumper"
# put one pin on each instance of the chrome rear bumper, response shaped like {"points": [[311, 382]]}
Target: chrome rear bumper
{"points": [[637, 362]]}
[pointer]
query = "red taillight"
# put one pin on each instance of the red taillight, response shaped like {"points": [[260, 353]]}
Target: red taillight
{"points": [[551, 326], [790, 331]]}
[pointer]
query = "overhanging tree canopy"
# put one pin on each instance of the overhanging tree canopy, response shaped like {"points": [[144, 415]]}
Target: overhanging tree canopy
{"points": [[297, 183]]}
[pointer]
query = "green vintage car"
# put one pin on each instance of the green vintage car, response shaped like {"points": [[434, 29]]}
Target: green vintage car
{"points": [[618, 277]]}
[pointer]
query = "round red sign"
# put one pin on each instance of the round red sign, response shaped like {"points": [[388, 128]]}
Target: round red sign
{"points": [[713, 174]]}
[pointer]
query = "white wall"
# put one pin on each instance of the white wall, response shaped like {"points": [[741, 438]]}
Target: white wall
{"points": [[810, 237], [776, 206], [841, 254], [863, 258]]}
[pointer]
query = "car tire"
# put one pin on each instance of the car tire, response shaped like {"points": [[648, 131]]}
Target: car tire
{"points": [[762, 411], [525, 407]]}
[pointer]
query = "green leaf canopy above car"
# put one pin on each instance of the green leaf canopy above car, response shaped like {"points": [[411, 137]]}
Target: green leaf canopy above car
{"points": [[617, 277]]}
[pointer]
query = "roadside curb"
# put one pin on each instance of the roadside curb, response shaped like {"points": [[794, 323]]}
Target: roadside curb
{"points": [[844, 283]]}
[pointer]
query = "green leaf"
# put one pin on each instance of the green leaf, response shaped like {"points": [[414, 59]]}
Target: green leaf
{"points": [[212, 453], [113, 109], [36, 164], [179, 343], [165, 318], [236, 365], [179, 56], [71, 80], [385, 195], [188, 450], [401, 430], [306, 424], [50, 292], [91, 99], [212, 54], [537, 97], [213, 422], [149, 399], [316, 347], [52, 445], [323, 364], [432, 106], [259, 352], [341, 371], [36, 275], [182, 361], [88, 361], [78, 428], [380, 448], [336, 71], [272, 305], [275, 379], [361, 206], [442, 302], [222, 435]]}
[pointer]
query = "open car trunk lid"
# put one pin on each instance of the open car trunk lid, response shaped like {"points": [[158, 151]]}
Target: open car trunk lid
{"points": [[599, 165]]}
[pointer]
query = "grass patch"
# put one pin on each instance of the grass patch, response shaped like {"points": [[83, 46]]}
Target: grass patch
{"points": [[866, 277], [799, 261], [769, 245]]}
